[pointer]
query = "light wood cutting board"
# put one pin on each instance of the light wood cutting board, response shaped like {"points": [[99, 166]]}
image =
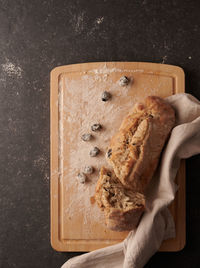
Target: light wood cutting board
{"points": [[76, 222]]}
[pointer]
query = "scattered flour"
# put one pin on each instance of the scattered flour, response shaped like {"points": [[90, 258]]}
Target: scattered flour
{"points": [[164, 59], [11, 69], [96, 26], [79, 22], [99, 20], [105, 70], [41, 163]]}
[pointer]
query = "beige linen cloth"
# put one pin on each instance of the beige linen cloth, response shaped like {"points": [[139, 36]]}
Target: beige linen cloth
{"points": [[157, 223]]}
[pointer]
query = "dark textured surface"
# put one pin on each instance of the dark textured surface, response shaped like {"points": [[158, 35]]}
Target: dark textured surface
{"points": [[36, 36]]}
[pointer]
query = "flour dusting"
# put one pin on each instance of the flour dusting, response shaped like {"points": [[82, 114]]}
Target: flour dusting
{"points": [[79, 22], [95, 26], [11, 69], [41, 163], [105, 70], [164, 59], [99, 20]]}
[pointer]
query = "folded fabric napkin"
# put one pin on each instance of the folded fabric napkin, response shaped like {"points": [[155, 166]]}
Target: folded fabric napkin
{"points": [[157, 223]]}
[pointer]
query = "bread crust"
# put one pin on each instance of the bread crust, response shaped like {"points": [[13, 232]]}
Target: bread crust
{"points": [[136, 147], [133, 154]]}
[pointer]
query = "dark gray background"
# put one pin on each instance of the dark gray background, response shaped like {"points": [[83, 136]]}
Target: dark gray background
{"points": [[36, 36]]}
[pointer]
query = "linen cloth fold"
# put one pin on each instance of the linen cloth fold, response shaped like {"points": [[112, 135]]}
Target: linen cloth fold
{"points": [[157, 223]]}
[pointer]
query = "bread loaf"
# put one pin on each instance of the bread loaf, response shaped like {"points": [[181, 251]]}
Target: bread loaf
{"points": [[122, 207], [135, 150], [133, 154]]}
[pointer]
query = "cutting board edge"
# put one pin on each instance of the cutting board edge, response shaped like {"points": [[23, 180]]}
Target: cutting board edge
{"points": [[78, 66]]}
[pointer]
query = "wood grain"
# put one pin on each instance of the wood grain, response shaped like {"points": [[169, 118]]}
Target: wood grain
{"points": [[69, 235]]}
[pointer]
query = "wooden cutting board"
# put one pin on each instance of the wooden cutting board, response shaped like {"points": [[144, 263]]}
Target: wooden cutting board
{"points": [[76, 221]]}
